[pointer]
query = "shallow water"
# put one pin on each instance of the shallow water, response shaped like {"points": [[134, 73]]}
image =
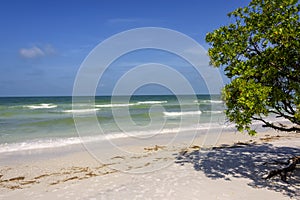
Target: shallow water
{"points": [[48, 122]]}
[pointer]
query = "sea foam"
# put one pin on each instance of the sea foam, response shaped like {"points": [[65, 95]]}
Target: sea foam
{"points": [[41, 106], [151, 102], [82, 110], [178, 114], [210, 101], [130, 104], [114, 105]]}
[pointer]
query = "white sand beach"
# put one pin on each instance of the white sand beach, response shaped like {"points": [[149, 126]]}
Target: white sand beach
{"points": [[234, 170]]}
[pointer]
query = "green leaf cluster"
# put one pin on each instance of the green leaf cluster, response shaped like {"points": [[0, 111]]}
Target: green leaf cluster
{"points": [[260, 51]]}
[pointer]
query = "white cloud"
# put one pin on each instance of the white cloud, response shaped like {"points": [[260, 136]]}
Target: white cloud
{"points": [[35, 52], [31, 52]]}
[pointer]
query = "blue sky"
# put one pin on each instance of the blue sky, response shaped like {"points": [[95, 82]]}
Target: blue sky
{"points": [[43, 43]]}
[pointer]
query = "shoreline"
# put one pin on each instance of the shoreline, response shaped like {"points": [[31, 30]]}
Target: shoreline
{"points": [[44, 176]]}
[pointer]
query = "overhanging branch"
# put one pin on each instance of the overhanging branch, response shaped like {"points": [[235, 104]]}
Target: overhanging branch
{"points": [[280, 128]]}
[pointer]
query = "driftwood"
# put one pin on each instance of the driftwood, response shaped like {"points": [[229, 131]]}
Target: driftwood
{"points": [[291, 166]]}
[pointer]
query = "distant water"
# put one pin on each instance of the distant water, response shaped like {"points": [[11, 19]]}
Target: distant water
{"points": [[47, 122]]}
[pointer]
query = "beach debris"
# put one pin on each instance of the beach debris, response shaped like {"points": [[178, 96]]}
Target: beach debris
{"points": [[183, 152], [28, 182], [42, 176], [54, 183], [155, 148], [19, 178], [70, 178], [270, 138], [235, 145], [195, 147], [90, 174], [64, 175], [15, 182], [284, 172], [14, 187], [118, 157]]}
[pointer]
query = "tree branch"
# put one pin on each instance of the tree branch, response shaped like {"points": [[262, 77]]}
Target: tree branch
{"points": [[280, 128], [284, 171], [256, 48]]}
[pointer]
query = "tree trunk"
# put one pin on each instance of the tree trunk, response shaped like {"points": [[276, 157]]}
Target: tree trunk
{"points": [[291, 166]]}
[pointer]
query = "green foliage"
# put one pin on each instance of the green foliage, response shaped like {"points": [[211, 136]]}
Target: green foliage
{"points": [[260, 52]]}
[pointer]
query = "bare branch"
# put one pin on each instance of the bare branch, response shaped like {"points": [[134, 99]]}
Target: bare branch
{"points": [[280, 128]]}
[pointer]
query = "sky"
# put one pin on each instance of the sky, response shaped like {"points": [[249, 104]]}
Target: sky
{"points": [[44, 43]]}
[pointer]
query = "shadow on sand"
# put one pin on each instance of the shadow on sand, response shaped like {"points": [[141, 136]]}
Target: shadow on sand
{"points": [[245, 161]]}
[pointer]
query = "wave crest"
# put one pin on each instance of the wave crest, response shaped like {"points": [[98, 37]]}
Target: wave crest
{"points": [[41, 106], [178, 114]]}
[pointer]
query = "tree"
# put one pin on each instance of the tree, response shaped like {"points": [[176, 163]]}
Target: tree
{"points": [[260, 52]]}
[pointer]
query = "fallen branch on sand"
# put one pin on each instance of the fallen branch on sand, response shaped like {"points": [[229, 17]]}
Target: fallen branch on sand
{"points": [[291, 166]]}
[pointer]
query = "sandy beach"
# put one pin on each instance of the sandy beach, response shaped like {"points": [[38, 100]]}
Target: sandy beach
{"points": [[127, 100], [234, 169]]}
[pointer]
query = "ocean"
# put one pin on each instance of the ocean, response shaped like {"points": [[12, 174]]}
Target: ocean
{"points": [[28, 123]]}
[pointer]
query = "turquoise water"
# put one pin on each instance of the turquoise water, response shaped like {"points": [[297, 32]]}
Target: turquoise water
{"points": [[47, 122]]}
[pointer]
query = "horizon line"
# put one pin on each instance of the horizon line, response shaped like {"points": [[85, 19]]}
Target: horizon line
{"points": [[106, 95]]}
